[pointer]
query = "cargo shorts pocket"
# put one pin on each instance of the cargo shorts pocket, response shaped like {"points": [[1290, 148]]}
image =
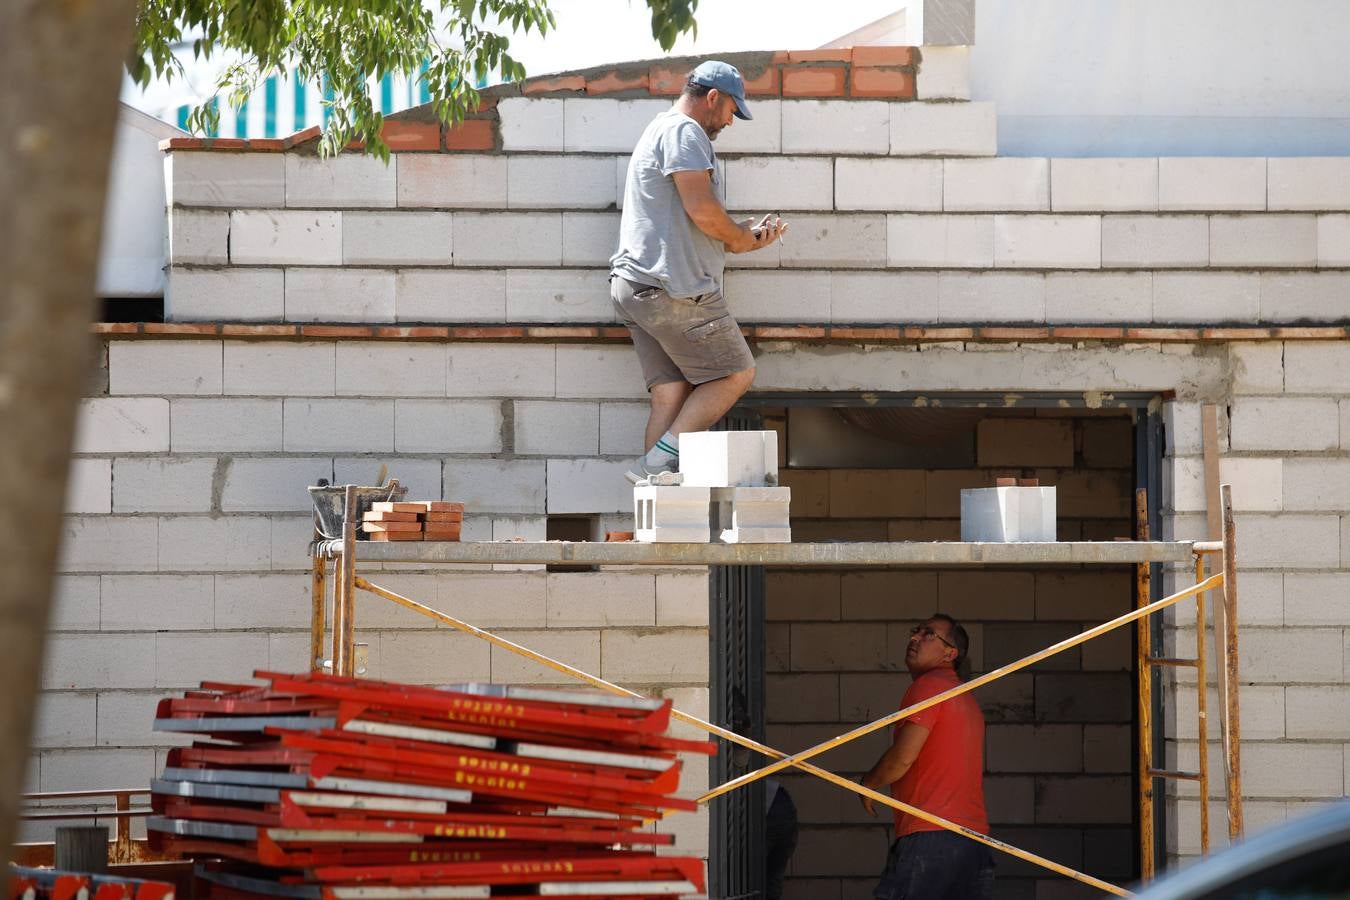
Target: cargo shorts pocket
{"points": [[718, 339]]}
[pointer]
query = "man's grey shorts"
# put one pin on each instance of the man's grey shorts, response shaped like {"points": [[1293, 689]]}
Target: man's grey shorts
{"points": [[680, 338]]}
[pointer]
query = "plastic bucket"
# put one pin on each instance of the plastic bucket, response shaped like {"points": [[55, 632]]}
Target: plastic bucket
{"points": [[329, 501]]}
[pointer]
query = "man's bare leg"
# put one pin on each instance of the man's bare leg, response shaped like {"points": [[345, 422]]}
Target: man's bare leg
{"points": [[710, 401], [667, 399]]}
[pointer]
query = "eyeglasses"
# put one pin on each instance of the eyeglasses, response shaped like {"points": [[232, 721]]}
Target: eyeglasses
{"points": [[923, 632]]}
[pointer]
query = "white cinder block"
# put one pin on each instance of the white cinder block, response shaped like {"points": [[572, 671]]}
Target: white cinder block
{"points": [[558, 427], [1257, 483], [671, 514], [836, 126], [277, 237], [1257, 366], [718, 459], [1154, 242], [1103, 185], [558, 296], [605, 599], [89, 486], [762, 134], [587, 486], [342, 182], [367, 369], [267, 601], [422, 477], [1303, 296], [883, 297], [1246, 241], [598, 371], [65, 720], [1315, 367], [1211, 183], [844, 241], [1048, 242], [512, 487], [451, 181], [108, 544], [125, 719], [589, 239], [943, 129], [528, 124], [74, 661], [186, 660], [1309, 182], [164, 367], [604, 126], [215, 543], [122, 425], [1205, 297], [159, 603], [396, 238], [944, 73], [778, 296], [1012, 184], [272, 485], [339, 295], [447, 426], [623, 427], [1315, 598], [947, 242], [229, 180], [1290, 542], [769, 183], [291, 535], [232, 295], [445, 295], [1333, 240], [552, 182], [1315, 484], [579, 648], [674, 657], [501, 370], [280, 368], [224, 426], [991, 297], [1098, 297], [198, 237], [163, 485], [1268, 423], [682, 599], [750, 515], [520, 239], [907, 185], [1008, 514], [361, 426]]}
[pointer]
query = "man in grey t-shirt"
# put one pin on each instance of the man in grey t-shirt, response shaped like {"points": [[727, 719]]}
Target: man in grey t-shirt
{"points": [[666, 278]]}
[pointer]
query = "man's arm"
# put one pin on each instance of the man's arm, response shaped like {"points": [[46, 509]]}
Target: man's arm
{"points": [[895, 762], [703, 207]]}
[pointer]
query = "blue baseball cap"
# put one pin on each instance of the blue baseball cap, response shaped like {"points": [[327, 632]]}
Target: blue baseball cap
{"points": [[727, 79]]}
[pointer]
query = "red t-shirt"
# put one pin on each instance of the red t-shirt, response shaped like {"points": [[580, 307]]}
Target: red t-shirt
{"points": [[948, 777]]}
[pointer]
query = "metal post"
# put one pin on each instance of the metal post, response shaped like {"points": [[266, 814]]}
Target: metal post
{"points": [[1143, 586], [1231, 727], [1201, 704], [344, 596], [318, 595]]}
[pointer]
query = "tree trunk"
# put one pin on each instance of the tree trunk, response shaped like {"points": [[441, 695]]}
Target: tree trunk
{"points": [[60, 67]]}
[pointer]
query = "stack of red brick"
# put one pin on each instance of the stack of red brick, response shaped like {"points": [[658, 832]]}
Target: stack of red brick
{"points": [[414, 520]]}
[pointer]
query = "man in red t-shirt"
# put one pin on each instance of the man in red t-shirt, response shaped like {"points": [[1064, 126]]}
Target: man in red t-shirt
{"points": [[935, 763]]}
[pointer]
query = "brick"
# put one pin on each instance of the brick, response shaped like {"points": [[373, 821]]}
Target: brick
{"points": [[163, 485], [396, 238], [1211, 183], [1103, 185], [363, 426], [1256, 483], [762, 134], [279, 368], [271, 237], [682, 599], [1285, 424], [89, 486], [868, 696], [343, 181], [1048, 242], [484, 239], [171, 602], [235, 295], [944, 73], [607, 126], [888, 184], [339, 295], [1205, 297], [575, 648], [1290, 541], [531, 124], [802, 698], [878, 82], [1303, 296], [586, 371], [558, 296], [459, 181], [368, 369], [835, 647], [791, 596], [876, 493], [835, 126], [568, 182], [185, 660], [985, 595], [74, 661], [779, 183], [589, 239], [1315, 367], [1075, 297], [614, 81], [272, 485], [198, 237], [884, 297], [1154, 242], [1096, 800], [943, 129], [497, 486], [1004, 297], [661, 657], [588, 486], [122, 425], [824, 81], [622, 428], [1292, 770], [501, 370], [1247, 241], [221, 543], [440, 295], [1034, 748], [557, 427], [852, 241], [940, 241], [164, 367], [602, 599], [996, 185], [226, 180], [221, 426], [1309, 183], [447, 426], [1068, 696]]}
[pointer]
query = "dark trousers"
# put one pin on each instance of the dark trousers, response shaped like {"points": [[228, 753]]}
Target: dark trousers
{"points": [[780, 839], [936, 865]]}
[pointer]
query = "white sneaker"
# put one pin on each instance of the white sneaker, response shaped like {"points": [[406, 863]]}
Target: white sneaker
{"points": [[639, 474]]}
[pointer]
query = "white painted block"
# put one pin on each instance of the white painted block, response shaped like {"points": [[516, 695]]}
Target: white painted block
{"points": [[342, 182], [552, 182], [65, 720], [946, 242], [164, 367], [501, 370], [451, 180], [1309, 182], [593, 370], [1211, 183], [1268, 241], [856, 241], [125, 719], [883, 297], [1205, 297], [391, 369], [277, 237], [944, 73], [74, 661], [717, 459], [512, 487], [1008, 514], [528, 124], [557, 427], [762, 134], [593, 125], [1303, 296], [361, 426], [775, 183], [750, 515], [89, 486], [215, 543], [272, 485], [1010, 184], [510, 239], [198, 237], [122, 425], [447, 426], [1098, 297], [622, 428], [906, 185], [339, 295], [659, 657], [1103, 185], [1333, 239], [108, 544], [836, 126], [224, 426], [587, 486], [1155, 242], [229, 180], [159, 603], [186, 660], [558, 295], [396, 238], [671, 514], [270, 601], [163, 485], [943, 129], [589, 239], [232, 295], [779, 296], [1257, 367], [280, 368], [991, 297], [1048, 242], [446, 295], [1312, 484], [1268, 423]]}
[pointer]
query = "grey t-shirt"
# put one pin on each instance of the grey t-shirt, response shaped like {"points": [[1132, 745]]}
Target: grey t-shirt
{"points": [[658, 243]]}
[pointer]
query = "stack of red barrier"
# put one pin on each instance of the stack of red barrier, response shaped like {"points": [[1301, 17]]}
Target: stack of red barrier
{"points": [[326, 788]]}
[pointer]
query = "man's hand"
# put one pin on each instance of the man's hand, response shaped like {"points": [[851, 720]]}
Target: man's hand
{"points": [[867, 803], [762, 233]]}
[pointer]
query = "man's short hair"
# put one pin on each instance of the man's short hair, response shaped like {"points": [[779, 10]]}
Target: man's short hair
{"points": [[959, 637], [693, 90]]}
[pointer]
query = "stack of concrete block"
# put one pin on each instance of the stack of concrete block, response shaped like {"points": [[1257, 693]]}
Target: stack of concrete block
{"points": [[1009, 512], [729, 493]]}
